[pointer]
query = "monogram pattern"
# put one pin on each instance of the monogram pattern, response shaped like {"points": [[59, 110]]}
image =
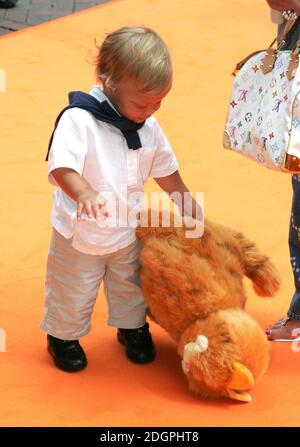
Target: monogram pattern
{"points": [[263, 121]]}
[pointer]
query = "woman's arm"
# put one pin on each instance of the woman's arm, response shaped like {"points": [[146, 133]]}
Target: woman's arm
{"points": [[281, 5]]}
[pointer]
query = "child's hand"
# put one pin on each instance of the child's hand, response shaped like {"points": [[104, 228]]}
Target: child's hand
{"points": [[92, 203]]}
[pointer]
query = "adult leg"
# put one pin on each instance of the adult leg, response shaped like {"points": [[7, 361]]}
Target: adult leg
{"points": [[285, 325], [288, 328]]}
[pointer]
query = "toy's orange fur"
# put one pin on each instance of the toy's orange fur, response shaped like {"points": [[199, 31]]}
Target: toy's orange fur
{"points": [[194, 286]]}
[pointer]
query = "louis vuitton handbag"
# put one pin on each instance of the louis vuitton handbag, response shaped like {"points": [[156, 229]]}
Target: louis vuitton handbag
{"points": [[263, 119]]}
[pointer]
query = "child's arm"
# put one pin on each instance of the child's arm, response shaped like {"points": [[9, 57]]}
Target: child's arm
{"points": [[80, 191], [185, 202]]}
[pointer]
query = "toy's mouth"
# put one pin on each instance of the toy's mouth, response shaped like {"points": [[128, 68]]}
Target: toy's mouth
{"points": [[240, 383], [240, 395]]}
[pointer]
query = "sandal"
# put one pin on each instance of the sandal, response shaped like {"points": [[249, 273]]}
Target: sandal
{"points": [[285, 329], [276, 324]]}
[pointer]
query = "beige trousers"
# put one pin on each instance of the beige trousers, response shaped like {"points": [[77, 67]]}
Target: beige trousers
{"points": [[72, 283]]}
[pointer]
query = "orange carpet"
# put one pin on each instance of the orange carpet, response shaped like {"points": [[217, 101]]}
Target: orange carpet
{"points": [[42, 64]]}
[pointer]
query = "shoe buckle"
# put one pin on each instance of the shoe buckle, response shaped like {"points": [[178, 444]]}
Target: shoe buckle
{"points": [[285, 321]]}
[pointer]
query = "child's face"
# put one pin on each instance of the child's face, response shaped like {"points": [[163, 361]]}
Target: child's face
{"points": [[134, 104]]}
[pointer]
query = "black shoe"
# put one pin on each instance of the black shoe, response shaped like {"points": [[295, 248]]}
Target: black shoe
{"points": [[5, 4], [139, 344], [67, 355]]}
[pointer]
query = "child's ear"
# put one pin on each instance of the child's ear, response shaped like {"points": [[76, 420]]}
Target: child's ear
{"points": [[108, 85]]}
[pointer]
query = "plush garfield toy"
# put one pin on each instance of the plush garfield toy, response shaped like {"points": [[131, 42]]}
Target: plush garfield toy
{"points": [[194, 289]]}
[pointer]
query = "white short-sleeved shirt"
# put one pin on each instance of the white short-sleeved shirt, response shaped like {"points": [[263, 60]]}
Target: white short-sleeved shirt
{"points": [[99, 152]]}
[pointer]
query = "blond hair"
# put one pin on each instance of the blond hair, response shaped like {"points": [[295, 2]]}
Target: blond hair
{"points": [[138, 53]]}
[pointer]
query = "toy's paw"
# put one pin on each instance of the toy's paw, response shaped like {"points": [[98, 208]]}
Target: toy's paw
{"points": [[192, 348]]}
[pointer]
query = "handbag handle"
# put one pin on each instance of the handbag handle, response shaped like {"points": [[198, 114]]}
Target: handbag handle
{"points": [[270, 58], [268, 61], [288, 25]]}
